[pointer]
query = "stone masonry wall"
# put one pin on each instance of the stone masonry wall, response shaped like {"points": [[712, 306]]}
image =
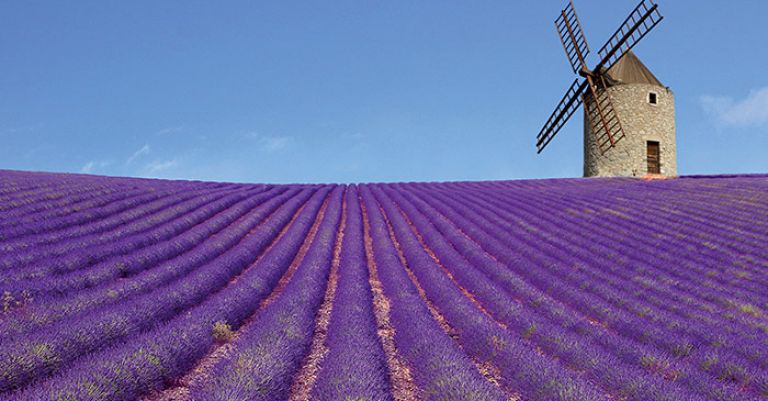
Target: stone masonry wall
{"points": [[641, 122]]}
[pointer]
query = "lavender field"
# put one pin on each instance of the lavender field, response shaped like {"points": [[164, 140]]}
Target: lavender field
{"points": [[546, 290]]}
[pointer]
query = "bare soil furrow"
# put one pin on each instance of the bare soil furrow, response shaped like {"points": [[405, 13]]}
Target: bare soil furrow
{"points": [[305, 379], [487, 369], [179, 391], [403, 386]]}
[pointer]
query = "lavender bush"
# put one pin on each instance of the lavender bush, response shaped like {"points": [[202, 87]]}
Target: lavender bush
{"points": [[540, 290]]}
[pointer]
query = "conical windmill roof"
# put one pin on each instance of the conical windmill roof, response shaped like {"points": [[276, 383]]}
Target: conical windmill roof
{"points": [[630, 70]]}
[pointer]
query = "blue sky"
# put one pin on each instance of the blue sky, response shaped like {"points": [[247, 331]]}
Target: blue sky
{"points": [[353, 91]]}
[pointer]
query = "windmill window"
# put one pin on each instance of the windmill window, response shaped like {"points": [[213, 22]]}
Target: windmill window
{"points": [[652, 97]]}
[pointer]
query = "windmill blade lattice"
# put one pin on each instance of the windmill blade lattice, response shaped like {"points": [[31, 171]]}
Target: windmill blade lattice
{"points": [[605, 123], [640, 21], [564, 110], [572, 37], [599, 110]]}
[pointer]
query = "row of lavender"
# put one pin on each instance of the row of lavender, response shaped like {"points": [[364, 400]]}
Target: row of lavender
{"points": [[539, 290]]}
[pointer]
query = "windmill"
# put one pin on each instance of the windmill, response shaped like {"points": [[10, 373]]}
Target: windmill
{"points": [[596, 88]]}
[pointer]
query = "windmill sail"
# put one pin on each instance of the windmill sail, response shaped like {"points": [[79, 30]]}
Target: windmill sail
{"points": [[572, 37], [564, 110], [605, 124], [598, 105], [640, 21]]}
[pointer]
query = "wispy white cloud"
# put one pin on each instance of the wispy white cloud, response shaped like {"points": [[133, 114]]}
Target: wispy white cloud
{"points": [[750, 111], [353, 135], [275, 143], [20, 129], [88, 167], [159, 166], [270, 143], [141, 152], [170, 130], [92, 166]]}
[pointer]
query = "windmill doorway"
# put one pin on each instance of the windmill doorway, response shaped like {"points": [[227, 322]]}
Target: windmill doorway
{"points": [[654, 158]]}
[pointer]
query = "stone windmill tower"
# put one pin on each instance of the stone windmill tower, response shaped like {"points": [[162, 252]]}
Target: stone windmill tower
{"points": [[646, 111], [629, 115]]}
